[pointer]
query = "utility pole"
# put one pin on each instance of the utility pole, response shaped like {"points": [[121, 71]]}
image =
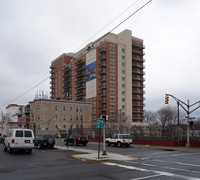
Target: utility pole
{"points": [[187, 110]]}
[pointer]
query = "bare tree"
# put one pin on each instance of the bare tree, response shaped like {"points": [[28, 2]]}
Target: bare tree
{"points": [[150, 117], [165, 116]]}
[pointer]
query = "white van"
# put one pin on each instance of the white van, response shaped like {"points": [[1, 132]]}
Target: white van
{"points": [[18, 139]]}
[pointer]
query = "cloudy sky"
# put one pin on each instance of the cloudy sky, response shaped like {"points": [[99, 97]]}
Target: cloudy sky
{"points": [[35, 32]]}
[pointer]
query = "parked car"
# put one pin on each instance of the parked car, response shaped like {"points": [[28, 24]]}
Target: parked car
{"points": [[76, 139], [44, 140], [19, 139], [2, 138], [119, 140]]}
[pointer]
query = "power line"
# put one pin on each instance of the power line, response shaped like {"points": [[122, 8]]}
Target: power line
{"points": [[26, 91], [107, 24], [89, 39]]}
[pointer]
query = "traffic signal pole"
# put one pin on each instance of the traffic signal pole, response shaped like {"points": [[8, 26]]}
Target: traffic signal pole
{"points": [[187, 110]]}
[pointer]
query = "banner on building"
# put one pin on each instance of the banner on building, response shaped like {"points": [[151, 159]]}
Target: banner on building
{"points": [[91, 74]]}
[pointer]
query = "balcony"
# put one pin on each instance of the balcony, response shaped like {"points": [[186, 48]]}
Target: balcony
{"points": [[139, 60], [138, 92], [80, 80], [80, 68], [80, 74], [101, 65], [138, 72], [52, 66], [138, 52], [138, 66], [138, 45], [102, 72], [102, 86], [102, 50], [102, 79], [82, 86], [102, 101], [103, 57], [80, 92], [102, 94], [79, 62]]}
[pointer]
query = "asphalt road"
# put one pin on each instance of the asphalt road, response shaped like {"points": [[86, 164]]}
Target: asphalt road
{"points": [[58, 164]]}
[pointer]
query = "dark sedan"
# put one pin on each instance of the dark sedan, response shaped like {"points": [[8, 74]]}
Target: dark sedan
{"points": [[76, 139], [44, 140]]}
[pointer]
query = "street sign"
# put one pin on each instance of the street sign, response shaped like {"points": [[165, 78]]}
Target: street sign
{"points": [[100, 123], [190, 117]]}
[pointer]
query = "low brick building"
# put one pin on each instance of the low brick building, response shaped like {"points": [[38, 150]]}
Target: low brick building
{"points": [[59, 116]]}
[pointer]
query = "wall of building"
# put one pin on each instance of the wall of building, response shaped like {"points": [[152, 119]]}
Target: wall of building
{"points": [[54, 116]]}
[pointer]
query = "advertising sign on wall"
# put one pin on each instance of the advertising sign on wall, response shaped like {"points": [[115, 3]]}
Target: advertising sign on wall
{"points": [[91, 74]]}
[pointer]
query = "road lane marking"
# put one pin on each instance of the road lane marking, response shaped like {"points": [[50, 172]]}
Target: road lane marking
{"points": [[147, 177], [164, 167], [188, 164], [180, 154], [161, 173]]}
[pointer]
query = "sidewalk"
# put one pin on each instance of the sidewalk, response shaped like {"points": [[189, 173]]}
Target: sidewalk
{"points": [[169, 148], [92, 155]]}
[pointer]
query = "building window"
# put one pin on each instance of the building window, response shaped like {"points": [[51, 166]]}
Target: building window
{"points": [[56, 108], [76, 109], [112, 98], [123, 57], [112, 84], [112, 62], [123, 71], [123, 85], [112, 91], [70, 108], [123, 64], [38, 107], [39, 127], [64, 126], [112, 47], [123, 92], [138, 109], [77, 118], [64, 118], [138, 96], [64, 108], [112, 76], [123, 78], [112, 106], [123, 50], [123, 99], [70, 117], [81, 117], [81, 109], [123, 106], [112, 69], [112, 54], [38, 117]]}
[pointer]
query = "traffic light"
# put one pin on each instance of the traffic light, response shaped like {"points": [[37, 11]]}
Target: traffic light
{"points": [[166, 99], [191, 123], [105, 117]]}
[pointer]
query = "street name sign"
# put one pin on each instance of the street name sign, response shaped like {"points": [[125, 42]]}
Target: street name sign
{"points": [[100, 123]]}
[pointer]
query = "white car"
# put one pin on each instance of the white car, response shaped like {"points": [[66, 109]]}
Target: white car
{"points": [[18, 139], [119, 139]]}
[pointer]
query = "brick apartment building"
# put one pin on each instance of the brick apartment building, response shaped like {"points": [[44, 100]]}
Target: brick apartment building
{"points": [[59, 116], [108, 72]]}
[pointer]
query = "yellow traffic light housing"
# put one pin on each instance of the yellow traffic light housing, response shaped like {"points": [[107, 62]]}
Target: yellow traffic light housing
{"points": [[166, 99]]}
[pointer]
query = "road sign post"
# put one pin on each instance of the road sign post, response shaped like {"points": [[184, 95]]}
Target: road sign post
{"points": [[100, 123]]}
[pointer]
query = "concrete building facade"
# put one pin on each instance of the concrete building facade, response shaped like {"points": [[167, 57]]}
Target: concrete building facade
{"points": [[59, 116], [108, 72]]}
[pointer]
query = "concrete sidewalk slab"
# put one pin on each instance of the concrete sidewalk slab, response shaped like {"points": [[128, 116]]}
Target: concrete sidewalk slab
{"points": [[92, 155]]}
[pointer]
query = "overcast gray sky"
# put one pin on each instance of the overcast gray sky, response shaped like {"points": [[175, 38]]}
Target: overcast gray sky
{"points": [[35, 32]]}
